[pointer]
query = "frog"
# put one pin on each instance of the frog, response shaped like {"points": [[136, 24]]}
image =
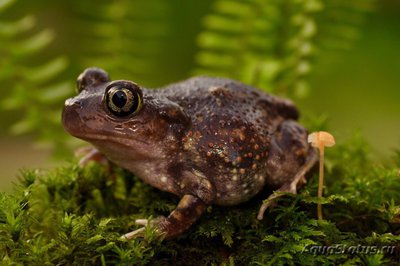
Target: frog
{"points": [[207, 140]]}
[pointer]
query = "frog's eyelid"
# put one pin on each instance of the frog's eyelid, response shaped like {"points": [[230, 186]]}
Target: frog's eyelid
{"points": [[91, 76], [123, 84]]}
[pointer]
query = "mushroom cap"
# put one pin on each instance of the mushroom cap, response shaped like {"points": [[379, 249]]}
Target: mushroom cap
{"points": [[321, 138]]}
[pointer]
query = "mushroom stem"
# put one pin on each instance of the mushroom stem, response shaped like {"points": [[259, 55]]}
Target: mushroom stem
{"points": [[320, 140], [321, 180]]}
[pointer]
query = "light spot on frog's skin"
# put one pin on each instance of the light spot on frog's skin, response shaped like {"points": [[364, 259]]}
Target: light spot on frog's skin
{"points": [[242, 171], [229, 186], [218, 195], [177, 215], [244, 185], [207, 183], [164, 179], [184, 202], [234, 177], [246, 191], [234, 171]]}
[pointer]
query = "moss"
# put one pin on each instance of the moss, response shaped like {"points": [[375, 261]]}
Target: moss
{"points": [[74, 216]]}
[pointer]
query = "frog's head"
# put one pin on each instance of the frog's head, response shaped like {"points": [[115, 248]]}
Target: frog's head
{"points": [[121, 117]]}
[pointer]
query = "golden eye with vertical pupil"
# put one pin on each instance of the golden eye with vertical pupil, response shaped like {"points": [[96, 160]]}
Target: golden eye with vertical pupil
{"points": [[122, 100]]}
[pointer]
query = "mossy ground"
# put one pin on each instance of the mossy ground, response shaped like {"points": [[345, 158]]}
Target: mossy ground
{"points": [[75, 216]]}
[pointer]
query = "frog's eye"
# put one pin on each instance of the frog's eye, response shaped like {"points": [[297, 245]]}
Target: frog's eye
{"points": [[123, 99]]}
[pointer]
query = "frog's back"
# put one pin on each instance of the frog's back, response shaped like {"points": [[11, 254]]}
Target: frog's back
{"points": [[231, 126], [208, 94]]}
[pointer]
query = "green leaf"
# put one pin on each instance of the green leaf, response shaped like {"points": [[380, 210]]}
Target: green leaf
{"points": [[5, 4], [11, 29], [47, 71], [94, 239], [56, 92], [33, 44]]}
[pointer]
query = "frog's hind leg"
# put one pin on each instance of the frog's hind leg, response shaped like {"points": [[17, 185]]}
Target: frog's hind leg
{"points": [[291, 186]]}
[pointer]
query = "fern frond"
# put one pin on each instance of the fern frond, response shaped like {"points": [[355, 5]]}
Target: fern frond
{"points": [[137, 40], [34, 92], [124, 37], [339, 22], [271, 44]]}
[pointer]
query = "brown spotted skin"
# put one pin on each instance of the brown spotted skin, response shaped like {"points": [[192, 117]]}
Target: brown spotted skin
{"points": [[207, 140], [229, 139]]}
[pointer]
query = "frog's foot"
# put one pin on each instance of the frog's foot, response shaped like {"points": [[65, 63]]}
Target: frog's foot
{"points": [[139, 233], [91, 154], [270, 201], [186, 213], [291, 187], [134, 234]]}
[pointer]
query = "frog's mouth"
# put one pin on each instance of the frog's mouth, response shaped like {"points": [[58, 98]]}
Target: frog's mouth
{"points": [[104, 138]]}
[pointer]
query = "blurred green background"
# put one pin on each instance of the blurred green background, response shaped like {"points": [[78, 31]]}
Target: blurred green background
{"points": [[350, 75]]}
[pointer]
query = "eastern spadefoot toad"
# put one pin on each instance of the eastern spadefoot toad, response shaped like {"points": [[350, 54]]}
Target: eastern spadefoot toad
{"points": [[206, 140]]}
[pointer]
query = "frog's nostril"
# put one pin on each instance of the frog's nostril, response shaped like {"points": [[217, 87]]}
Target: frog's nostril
{"points": [[72, 102]]}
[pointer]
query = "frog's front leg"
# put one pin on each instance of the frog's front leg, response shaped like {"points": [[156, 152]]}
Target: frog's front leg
{"points": [[188, 211], [198, 193]]}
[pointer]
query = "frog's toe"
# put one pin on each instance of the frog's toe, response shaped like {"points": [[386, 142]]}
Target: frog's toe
{"points": [[91, 154], [158, 224], [263, 208], [302, 181], [143, 222], [270, 202], [139, 233]]}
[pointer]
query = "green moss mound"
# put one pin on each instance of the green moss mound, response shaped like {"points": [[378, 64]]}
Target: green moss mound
{"points": [[74, 216]]}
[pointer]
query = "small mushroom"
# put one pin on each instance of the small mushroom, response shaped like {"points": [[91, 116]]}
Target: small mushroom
{"points": [[321, 140]]}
